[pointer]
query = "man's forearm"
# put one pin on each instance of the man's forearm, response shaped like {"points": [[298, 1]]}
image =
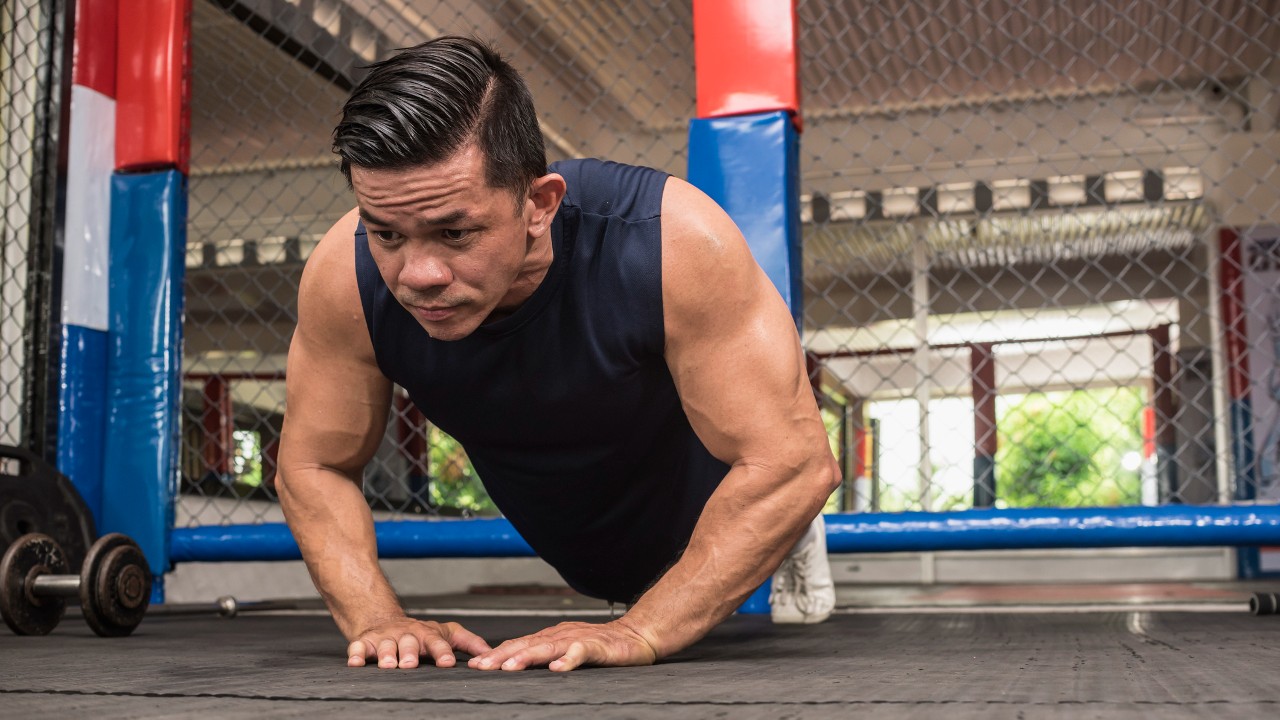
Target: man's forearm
{"points": [[739, 540], [332, 523]]}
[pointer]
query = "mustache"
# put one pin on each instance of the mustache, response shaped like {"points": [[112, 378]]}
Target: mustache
{"points": [[428, 299]]}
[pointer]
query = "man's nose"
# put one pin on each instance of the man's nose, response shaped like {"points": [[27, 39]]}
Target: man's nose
{"points": [[425, 270]]}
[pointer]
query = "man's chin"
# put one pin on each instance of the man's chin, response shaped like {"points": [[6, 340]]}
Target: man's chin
{"points": [[447, 332]]}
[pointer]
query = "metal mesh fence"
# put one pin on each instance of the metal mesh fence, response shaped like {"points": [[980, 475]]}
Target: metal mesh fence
{"points": [[31, 37], [610, 79], [1015, 268], [1018, 226]]}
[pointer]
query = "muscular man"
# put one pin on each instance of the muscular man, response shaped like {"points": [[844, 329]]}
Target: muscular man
{"points": [[625, 379]]}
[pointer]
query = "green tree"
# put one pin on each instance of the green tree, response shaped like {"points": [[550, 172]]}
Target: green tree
{"points": [[1065, 449], [454, 482]]}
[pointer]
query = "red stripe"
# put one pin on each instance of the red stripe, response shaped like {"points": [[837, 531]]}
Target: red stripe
{"points": [[1148, 431], [1231, 275], [860, 449], [745, 57], [95, 46], [152, 110], [982, 365]]}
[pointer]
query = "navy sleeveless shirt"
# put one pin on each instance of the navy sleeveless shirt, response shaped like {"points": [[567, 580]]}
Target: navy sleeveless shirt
{"points": [[566, 407]]}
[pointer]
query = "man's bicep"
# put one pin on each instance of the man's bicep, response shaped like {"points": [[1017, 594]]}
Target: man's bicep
{"points": [[336, 410], [337, 398], [732, 345]]}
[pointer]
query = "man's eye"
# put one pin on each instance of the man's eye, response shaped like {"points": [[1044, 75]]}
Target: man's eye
{"points": [[385, 236], [455, 234]]}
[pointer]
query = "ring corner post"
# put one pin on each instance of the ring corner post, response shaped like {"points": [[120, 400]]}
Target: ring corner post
{"points": [[744, 143], [147, 263]]}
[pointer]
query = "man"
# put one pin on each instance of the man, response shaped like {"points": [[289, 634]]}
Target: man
{"points": [[625, 379]]}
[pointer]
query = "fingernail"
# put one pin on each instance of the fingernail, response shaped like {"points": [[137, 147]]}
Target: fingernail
{"points": [[509, 664]]}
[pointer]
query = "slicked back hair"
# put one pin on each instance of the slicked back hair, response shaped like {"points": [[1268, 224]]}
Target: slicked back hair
{"points": [[427, 102]]}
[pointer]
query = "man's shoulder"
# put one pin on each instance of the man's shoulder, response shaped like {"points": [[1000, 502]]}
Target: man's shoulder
{"points": [[605, 187]]}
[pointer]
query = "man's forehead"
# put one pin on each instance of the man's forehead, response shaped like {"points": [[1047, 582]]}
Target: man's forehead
{"points": [[445, 216]]}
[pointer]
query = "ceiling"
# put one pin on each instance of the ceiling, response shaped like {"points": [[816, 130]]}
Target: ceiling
{"points": [[615, 78], [280, 68]]}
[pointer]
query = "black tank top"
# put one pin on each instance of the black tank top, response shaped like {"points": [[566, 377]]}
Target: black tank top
{"points": [[566, 407]]}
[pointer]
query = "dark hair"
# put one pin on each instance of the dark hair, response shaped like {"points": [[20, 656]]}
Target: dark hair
{"points": [[426, 102]]}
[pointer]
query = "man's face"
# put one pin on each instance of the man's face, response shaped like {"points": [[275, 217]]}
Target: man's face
{"points": [[449, 247]]}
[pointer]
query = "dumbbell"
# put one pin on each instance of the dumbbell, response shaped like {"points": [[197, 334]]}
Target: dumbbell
{"points": [[1264, 603], [114, 585]]}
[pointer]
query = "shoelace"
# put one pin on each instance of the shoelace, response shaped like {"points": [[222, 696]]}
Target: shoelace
{"points": [[805, 600], [787, 584]]}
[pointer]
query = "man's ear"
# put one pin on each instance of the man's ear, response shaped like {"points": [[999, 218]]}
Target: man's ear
{"points": [[544, 199]]}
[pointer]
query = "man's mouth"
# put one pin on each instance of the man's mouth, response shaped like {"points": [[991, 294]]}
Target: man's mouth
{"points": [[433, 313]]}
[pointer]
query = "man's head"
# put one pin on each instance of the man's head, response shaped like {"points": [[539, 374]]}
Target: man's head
{"points": [[425, 103], [443, 150]]}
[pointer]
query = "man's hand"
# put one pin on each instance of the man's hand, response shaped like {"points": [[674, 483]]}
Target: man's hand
{"points": [[571, 645], [398, 643]]}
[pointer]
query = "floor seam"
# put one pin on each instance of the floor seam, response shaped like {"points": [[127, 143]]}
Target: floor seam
{"points": [[621, 703]]}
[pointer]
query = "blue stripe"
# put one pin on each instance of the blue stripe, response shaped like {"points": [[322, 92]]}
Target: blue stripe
{"points": [[1246, 483], [1166, 526], [750, 165], [82, 410], [404, 539], [148, 243]]}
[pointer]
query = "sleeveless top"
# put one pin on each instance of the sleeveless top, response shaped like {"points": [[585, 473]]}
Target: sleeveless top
{"points": [[566, 407]]}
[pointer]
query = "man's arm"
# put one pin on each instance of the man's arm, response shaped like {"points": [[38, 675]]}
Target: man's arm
{"points": [[337, 403], [735, 355]]}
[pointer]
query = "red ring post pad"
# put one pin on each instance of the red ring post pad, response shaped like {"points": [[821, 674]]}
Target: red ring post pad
{"points": [[152, 85], [745, 57], [750, 165], [144, 388], [95, 46]]}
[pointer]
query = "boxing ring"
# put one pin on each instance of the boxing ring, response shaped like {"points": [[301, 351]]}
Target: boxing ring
{"points": [[1120, 660], [1178, 649]]}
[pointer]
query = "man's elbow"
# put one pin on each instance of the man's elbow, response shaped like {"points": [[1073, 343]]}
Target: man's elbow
{"points": [[826, 476]]}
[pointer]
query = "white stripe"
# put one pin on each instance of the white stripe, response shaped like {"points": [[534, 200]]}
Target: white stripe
{"points": [[90, 164], [1196, 607]]}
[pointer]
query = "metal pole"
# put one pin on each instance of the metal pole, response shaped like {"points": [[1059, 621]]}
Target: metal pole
{"points": [[921, 357], [1217, 352]]}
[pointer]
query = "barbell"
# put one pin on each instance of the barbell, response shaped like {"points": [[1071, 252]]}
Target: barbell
{"points": [[114, 585]]}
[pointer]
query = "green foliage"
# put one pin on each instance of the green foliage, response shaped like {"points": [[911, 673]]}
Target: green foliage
{"points": [[246, 458], [831, 420], [454, 482], [1065, 449]]}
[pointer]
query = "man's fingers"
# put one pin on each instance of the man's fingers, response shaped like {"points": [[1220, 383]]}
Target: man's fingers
{"points": [[409, 648], [573, 658], [497, 657], [533, 654], [440, 651], [466, 641], [387, 654], [357, 652]]}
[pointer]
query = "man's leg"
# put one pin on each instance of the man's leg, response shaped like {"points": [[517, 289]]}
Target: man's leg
{"points": [[802, 588]]}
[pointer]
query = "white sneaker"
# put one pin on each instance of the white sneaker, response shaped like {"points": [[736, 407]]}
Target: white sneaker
{"points": [[802, 588]]}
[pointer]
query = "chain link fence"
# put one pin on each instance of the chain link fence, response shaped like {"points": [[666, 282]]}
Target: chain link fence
{"points": [[31, 42], [1013, 225], [1013, 222], [610, 79]]}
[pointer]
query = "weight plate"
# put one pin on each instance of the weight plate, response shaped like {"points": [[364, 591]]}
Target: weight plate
{"points": [[36, 498], [115, 586], [31, 555]]}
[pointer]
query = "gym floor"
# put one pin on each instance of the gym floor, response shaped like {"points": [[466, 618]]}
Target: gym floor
{"points": [[1113, 652]]}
